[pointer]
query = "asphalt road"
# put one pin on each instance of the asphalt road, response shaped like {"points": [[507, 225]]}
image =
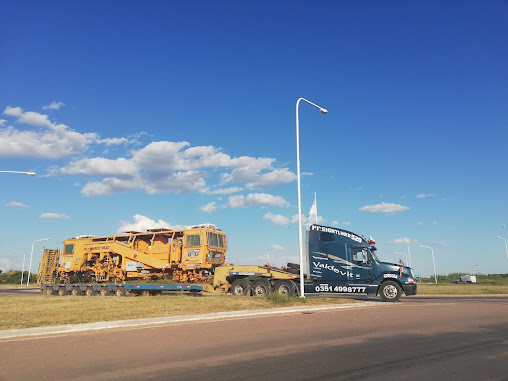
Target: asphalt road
{"points": [[421, 338]]}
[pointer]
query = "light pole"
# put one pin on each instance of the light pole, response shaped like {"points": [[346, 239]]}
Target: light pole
{"points": [[409, 255], [434, 263], [404, 254], [505, 246], [25, 173], [300, 246], [31, 254], [22, 271]]}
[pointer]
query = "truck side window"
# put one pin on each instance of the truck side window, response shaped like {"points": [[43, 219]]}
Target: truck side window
{"points": [[193, 240], [324, 236], [358, 256], [69, 249]]}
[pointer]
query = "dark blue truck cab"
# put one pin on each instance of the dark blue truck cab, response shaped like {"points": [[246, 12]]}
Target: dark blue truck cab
{"points": [[343, 262]]}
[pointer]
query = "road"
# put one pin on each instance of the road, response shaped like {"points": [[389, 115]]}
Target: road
{"points": [[421, 338]]}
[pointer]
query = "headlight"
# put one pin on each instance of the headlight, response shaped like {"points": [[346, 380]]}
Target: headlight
{"points": [[410, 280]]}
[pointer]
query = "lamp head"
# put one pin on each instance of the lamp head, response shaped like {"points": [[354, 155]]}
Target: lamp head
{"points": [[323, 110]]}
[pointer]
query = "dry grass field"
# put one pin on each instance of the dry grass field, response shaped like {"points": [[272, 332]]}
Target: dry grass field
{"points": [[461, 289], [37, 311], [20, 311]]}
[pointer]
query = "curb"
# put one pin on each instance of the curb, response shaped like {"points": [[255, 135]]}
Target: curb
{"points": [[70, 328]]}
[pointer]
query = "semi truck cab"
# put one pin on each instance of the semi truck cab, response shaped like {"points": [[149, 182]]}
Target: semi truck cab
{"points": [[343, 262]]}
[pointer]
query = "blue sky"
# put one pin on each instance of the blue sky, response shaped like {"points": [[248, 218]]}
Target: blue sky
{"points": [[164, 113]]}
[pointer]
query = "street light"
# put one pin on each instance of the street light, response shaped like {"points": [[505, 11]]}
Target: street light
{"points": [[25, 173], [300, 246], [22, 271], [31, 253], [434, 263], [506, 247], [404, 254]]}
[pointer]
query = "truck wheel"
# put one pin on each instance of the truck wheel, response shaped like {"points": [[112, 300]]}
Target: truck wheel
{"points": [[105, 291], [261, 288], [390, 291], [89, 291], [62, 291], [120, 291], [241, 287], [285, 287], [76, 291], [48, 291], [293, 266]]}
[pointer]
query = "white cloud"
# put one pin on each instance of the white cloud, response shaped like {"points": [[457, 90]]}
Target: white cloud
{"points": [[15, 204], [56, 141], [53, 216], [112, 141], [2, 122], [403, 240], [277, 219], [277, 247], [209, 208], [142, 224], [159, 167], [222, 191], [254, 199], [99, 166], [384, 208], [425, 195], [53, 106]]}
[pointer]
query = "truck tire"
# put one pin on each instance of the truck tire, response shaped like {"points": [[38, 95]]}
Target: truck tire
{"points": [[261, 288], [293, 271], [48, 291], [241, 287], [285, 287], [105, 291], [76, 291], [89, 291], [390, 291], [62, 291], [293, 266], [120, 291]]}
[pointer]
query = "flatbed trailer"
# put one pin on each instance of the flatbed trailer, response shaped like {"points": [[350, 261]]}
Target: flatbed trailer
{"points": [[79, 289]]}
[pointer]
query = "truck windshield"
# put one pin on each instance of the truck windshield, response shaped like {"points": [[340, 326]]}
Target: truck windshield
{"points": [[373, 254]]}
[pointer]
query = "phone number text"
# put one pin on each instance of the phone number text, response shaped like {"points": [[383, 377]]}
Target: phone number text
{"points": [[345, 289]]}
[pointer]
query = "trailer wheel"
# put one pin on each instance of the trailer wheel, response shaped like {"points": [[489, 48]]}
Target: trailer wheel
{"points": [[76, 291], [285, 287], [89, 291], [105, 291], [120, 291], [241, 287], [390, 291], [62, 291], [261, 288], [47, 291]]}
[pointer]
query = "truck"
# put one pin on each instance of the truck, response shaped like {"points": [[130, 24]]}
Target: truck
{"points": [[337, 262], [466, 279]]}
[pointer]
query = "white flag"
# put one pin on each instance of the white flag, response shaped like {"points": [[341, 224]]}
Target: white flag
{"points": [[313, 216]]}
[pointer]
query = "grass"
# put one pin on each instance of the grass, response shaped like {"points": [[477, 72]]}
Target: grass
{"points": [[461, 289], [37, 311]]}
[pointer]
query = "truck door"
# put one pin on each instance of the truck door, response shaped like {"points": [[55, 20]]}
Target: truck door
{"points": [[362, 261]]}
